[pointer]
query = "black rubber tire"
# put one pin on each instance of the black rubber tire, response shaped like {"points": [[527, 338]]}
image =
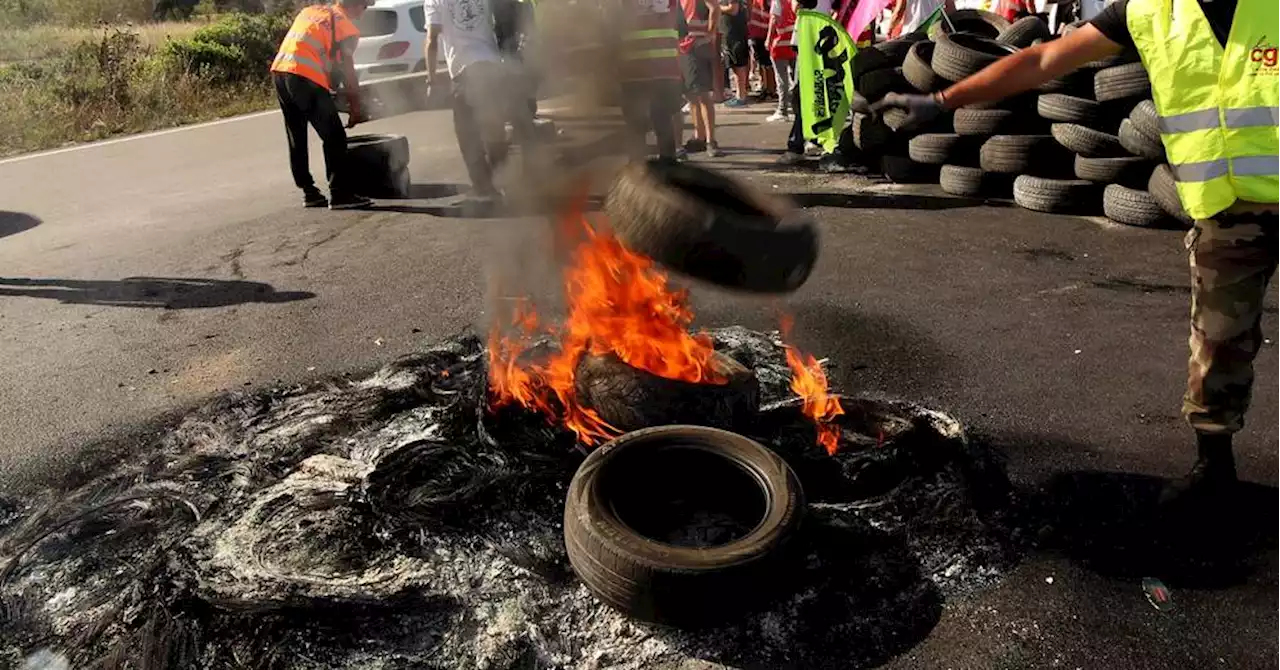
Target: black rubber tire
{"points": [[944, 148], [1120, 82], [896, 120], [389, 152], [1138, 143], [876, 84], [1127, 56], [903, 170], [1130, 171], [974, 21], [1145, 120], [1057, 196], [918, 69], [870, 60], [1023, 32], [710, 227], [974, 183], [1024, 103], [1132, 207], [655, 581], [1165, 192], [1036, 155], [871, 135], [960, 55], [1078, 84], [896, 50], [1069, 109], [970, 121], [1087, 141], [631, 399]]}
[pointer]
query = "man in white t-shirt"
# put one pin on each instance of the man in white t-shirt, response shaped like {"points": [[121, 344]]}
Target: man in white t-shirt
{"points": [[487, 92]]}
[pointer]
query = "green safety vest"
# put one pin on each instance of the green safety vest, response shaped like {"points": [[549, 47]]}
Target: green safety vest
{"points": [[1218, 107]]}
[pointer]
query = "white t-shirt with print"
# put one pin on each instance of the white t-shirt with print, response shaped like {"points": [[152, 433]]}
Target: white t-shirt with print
{"points": [[466, 27]]}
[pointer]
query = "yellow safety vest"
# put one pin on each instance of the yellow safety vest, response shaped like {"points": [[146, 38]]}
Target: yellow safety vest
{"points": [[1218, 107]]}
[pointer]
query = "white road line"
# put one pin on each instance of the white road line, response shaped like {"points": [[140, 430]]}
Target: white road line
{"points": [[130, 138]]}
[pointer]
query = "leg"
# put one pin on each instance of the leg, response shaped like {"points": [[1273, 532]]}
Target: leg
{"points": [[635, 113], [470, 143], [784, 68], [324, 118], [295, 127], [662, 106], [1232, 260], [795, 141], [743, 86]]}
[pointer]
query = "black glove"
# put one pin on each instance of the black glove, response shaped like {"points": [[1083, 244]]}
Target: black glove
{"points": [[921, 109]]}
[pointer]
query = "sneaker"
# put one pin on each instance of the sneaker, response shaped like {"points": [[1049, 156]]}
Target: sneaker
{"points": [[736, 102], [790, 158], [833, 164], [713, 150], [682, 154], [350, 202], [695, 144], [685, 109], [813, 149], [778, 116], [313, 198]]}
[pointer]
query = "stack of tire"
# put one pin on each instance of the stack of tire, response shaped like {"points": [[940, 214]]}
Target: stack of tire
{"points": [[1085, 143]]}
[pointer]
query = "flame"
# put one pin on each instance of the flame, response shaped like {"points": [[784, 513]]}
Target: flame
{"points": [[620, 304], [809, 381]]}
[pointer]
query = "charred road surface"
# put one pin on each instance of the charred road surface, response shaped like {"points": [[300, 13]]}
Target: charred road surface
{"points": [[143, 276]]}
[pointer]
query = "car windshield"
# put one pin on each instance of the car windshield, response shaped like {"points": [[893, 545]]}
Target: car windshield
{"points": [[377, 22]]}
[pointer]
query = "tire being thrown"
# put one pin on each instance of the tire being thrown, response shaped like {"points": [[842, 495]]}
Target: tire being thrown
{"points": [[681, 525], [628, 398], [707, 226]]}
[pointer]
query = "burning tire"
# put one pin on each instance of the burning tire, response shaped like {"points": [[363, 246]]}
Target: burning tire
{"points": [[680, 524], [707, 226], [628, 398]]}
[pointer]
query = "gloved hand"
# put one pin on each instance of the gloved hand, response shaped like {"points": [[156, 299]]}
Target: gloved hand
{"points": [[859, 104], [921, 109]]}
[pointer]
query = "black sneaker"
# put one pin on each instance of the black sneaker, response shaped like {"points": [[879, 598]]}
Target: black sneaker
{"points": [[314, 198], [695, 145], [350, 202]]}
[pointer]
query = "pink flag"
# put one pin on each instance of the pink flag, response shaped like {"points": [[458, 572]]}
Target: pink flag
{"points": [[862, 15]]}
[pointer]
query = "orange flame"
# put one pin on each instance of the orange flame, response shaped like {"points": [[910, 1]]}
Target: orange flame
{"points": [[809, 381], [620, 304]]}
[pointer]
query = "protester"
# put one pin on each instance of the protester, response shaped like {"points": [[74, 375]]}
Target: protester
{"points": [[487, 92], [651, 75], [757, 36], [794, 154], [698, 61], [782, 21], [908, 15], [734, 18], [322, 38]]}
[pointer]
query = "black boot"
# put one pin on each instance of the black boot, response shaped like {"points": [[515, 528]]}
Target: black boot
{"points": [[1211, 480]]}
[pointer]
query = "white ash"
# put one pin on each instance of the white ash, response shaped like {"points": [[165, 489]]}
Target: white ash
{"points": [[393, 522]]}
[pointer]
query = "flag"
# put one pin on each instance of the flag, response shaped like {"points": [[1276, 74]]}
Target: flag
{"points": [[933, 18], [863, 14], [824, 66]]}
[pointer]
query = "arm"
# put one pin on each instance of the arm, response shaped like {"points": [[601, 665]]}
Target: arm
{"points": [[432, 48], [1030, 67], [355, 113], [713, 17]]}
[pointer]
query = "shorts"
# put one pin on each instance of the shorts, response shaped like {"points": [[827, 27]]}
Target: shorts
{"points": [[761, 52], [735, 51], [697, 68]]}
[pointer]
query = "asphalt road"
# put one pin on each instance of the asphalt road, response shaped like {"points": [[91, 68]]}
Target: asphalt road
{"points": [[143, 275]]}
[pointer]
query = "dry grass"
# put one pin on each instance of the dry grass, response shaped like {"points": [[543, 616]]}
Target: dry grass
{"points": [[50, 41]]}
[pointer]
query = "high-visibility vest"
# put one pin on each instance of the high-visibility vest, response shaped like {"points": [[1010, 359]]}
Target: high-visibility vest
{"points": [[698, 18], [652, 41], [784, 28], [758, 23], [1217, 107], [308, 50]]}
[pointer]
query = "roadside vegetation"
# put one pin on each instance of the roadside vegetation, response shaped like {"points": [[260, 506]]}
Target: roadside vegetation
{"points": [[80, 70]]}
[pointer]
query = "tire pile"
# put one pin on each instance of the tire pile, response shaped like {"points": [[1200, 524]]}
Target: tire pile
{"points": [[1085, 143]]}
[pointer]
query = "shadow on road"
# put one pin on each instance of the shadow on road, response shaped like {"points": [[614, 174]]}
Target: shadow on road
{"points": [[149, 292], [12, 223], [878, 201], [1108, 522]]}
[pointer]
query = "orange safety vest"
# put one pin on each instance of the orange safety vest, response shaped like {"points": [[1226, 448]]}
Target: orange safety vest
{"points": [[309, 49], [758, 24], [652, 42], [783, 28]]}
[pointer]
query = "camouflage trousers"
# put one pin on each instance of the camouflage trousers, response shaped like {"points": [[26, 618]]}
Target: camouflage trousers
{"points": [[1233, 257]]}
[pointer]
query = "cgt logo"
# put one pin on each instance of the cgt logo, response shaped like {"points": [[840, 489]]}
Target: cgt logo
{"points": [[1264, 57]]}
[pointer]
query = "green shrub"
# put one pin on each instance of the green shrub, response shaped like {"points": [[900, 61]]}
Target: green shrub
{"points": [[237, 47], [73, 12]]}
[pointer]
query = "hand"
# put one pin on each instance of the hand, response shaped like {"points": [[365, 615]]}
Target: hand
{"points": [[860, 105], [921, 109], [355, 116]]}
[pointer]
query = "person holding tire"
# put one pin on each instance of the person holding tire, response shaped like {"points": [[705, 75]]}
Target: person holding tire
{"points": [[322, 38], [1213, 69]]}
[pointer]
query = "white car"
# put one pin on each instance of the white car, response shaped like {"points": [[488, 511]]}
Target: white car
{"points": [[392, 36]]}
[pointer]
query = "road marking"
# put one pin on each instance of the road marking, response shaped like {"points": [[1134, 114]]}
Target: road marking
{"points": [[130, 138]]}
